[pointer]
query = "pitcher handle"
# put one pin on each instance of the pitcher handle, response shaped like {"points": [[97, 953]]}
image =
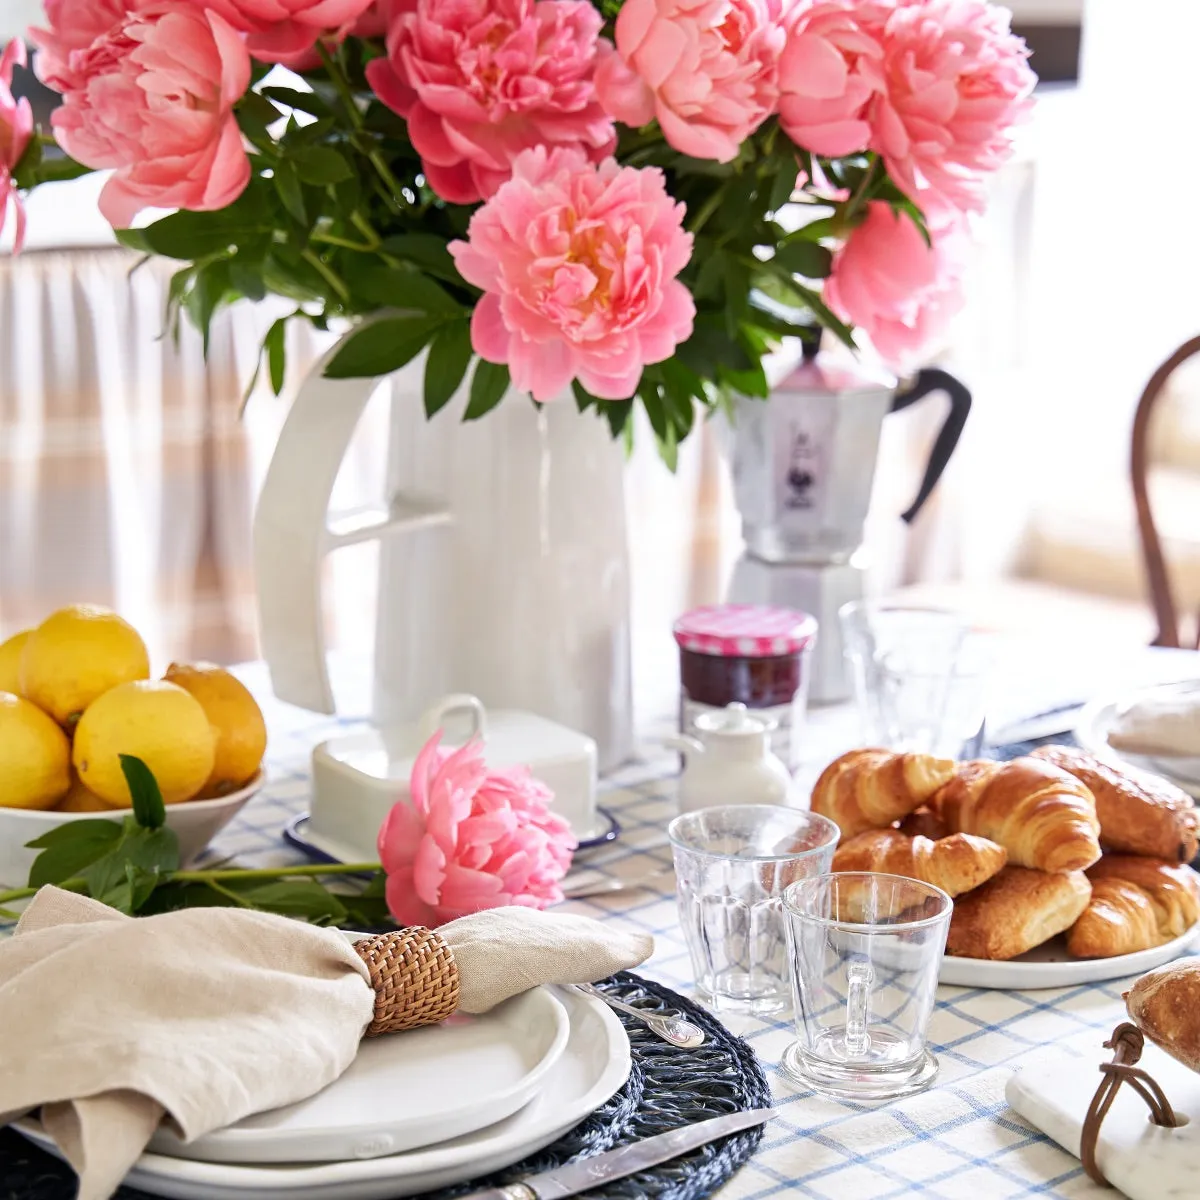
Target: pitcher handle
{"points": [[934, 379], [293, 532]]}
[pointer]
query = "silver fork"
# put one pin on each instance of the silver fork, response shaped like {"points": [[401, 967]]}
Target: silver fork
{"points": [[675, 1030]]}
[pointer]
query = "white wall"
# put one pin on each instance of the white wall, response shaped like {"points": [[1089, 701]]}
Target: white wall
{"points": [[17, 15]]}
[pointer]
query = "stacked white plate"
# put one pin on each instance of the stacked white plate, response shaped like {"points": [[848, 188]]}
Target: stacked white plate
{"points": [[415, 1111]]}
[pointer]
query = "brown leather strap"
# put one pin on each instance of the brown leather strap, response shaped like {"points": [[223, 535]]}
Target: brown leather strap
{"points": [[414, 976], [1127, 1044]]}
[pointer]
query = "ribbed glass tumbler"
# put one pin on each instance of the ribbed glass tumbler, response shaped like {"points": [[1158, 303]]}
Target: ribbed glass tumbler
{"points": [[732, 865]]}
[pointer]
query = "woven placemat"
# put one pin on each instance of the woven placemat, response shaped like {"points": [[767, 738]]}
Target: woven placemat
{"points": [[667, 1087]]}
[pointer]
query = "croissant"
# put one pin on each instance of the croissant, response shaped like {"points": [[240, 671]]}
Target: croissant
{"points": [[1139, 813], [1044, 817], [923, 822], [955, 864], [1015, 911], [1168, 892], [869, 789]]}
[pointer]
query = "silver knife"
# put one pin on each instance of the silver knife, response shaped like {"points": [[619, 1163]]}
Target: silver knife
{"points": [[625, 1160]]}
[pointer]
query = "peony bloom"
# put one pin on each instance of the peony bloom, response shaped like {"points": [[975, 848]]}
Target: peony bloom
{"points": [[578, 264], [831, 70], [153, 98], [481, 80], [16, 128], [286, 30], [956, 81], [707, 69], [889, 283], [472, 838], [72, 25]]}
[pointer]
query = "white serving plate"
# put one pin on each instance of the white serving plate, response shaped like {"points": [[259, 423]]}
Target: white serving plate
{"points": [[1050, 966], [1091, 732], [403, 1092], [593, 1067], [195, 822]]}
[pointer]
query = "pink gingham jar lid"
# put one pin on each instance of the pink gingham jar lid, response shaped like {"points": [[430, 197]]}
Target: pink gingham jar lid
{"points": [[745, 630]]}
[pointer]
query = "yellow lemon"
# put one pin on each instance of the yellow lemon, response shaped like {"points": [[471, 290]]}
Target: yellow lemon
{"points": [[10, 662], [77, 654], [237, 722], [151, 720], [35, 756], [79, 800]]}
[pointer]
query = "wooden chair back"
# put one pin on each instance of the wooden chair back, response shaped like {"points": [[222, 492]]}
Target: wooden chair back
{"points": [[1166, 609]]}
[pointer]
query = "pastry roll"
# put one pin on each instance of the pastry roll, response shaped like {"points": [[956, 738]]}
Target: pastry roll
{"points": [[1139, 813], [1015, 911], [871, 789], [1043, 816], [1170, 890], [1165, 1006], [956, 864]]}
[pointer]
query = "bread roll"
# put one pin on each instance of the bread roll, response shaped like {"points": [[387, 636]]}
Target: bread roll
{"points": [[1165, 1006], [1172, 889], [1043, 816], [1015, 911], [1139, 813], [871, 789], [955, 864]]}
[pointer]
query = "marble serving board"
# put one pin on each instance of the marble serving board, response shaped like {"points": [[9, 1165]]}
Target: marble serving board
{"points": [[1147, 1162]]}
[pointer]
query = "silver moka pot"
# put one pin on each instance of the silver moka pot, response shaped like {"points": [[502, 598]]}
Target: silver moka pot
{"points": [[803, 467]]}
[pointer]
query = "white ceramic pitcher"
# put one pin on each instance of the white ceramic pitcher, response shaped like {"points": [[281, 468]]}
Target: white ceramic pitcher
{"points": [[503, 570]]}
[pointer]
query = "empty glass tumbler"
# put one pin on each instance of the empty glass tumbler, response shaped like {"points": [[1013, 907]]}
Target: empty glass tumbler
{"points": [[865, 951], [732, 865]]}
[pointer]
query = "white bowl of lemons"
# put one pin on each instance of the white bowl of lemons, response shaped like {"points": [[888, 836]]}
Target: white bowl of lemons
{"points": [[75, 696]]}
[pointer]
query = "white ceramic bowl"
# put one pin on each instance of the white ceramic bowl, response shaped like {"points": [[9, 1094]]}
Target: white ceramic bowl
{"points": [[195, 822]]}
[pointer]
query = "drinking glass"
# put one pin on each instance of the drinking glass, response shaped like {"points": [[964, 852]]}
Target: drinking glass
{"points": [[865, 950], [919, 677], [732, 865]]}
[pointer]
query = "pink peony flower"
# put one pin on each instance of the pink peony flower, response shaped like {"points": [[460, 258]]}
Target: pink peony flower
{"points": [[286, 30], [579, 267], [72, 25], [472, 838], [707, 69], [956, 81], [16, 128], [893, 286], [481, 80], [831, 70], [153, 98]]}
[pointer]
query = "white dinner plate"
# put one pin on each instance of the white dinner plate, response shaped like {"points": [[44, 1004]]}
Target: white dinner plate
{"points": [[425, 1086], [1091, 731], [1050, 966], [592, 1068]]}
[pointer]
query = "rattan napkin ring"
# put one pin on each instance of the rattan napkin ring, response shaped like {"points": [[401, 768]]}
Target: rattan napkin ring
{"points": [[1127, 1043], [414, 976]]}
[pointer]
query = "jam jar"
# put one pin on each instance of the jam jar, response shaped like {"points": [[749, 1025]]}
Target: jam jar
{"points": [[751, 654]]}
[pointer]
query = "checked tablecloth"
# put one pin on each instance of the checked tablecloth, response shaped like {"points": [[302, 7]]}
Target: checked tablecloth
{"points": [[959, 1140]]}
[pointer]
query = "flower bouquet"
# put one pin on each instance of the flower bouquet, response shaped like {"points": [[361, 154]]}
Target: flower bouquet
{"points": [[634, 201]]}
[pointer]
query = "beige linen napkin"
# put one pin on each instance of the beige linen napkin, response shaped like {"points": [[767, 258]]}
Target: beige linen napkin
{"points": [[210, 1014], [1166, 723]]}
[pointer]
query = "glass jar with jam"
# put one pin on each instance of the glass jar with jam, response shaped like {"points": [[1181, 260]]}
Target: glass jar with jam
{"points": [[751, 654]]}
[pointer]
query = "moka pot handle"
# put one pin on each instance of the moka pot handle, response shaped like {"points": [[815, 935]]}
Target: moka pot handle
{"points": [[927, 380]]}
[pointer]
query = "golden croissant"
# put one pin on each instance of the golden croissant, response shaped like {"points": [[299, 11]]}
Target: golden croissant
{"points": [[869, 789], [956, 864], [1044, 817]]}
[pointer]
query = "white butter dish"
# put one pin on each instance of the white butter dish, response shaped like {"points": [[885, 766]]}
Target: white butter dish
{"points": [[357, 778]]}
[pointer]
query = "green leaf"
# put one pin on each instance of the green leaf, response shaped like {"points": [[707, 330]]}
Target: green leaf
{"points": [[70, 849], [826, 315], [148, 808], [381, 347], [275, 347], [210, 286], [134, 239], [320, 165], [488, 385], [402, 288], [449, 357], [287, 184], [308, 102], [784, 184], [814, 231], [292, 898], [804, 258], [151, 850], [427, 251]]}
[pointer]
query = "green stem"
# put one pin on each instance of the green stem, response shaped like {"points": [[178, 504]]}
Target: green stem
{"points": [[707, 209], [366, 229], [311, 869], [860, 191], [332, 239], [326, 273], [229, 894]]}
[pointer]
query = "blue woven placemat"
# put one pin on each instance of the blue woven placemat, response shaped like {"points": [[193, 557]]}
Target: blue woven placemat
{"points": [[667, 1087]]}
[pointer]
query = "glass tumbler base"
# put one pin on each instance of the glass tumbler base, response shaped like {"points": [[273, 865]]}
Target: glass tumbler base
{"points": [[840, 1081]]}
